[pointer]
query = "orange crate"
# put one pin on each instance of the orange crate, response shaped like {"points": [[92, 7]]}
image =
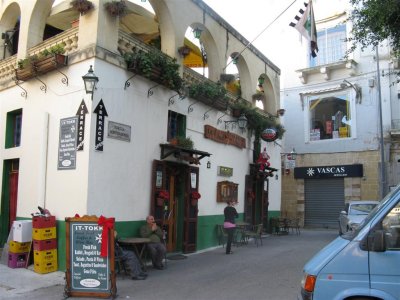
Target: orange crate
{"points": [[17, 247], [45, 267], [44, 233], [44, 256]]}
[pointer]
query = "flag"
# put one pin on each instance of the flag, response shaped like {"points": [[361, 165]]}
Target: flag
{"points": [[305, 24]]}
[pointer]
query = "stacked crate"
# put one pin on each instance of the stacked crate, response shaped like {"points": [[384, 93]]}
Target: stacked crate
{"points": [[44, 244], [20, 245]]}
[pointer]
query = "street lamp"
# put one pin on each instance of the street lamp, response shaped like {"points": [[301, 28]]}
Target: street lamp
{"points": [[241, 121], [90, 80], [197, 32]]}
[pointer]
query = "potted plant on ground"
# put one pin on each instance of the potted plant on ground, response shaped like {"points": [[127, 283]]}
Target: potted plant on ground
{"points": [[194, 197]]}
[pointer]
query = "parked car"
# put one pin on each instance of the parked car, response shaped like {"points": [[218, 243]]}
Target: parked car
{"points": [[354, 213]]}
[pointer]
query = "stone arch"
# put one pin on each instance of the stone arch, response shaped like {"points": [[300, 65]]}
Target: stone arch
{"points": [[269, 100], [9, 25], [244, 75], [37, 22]]}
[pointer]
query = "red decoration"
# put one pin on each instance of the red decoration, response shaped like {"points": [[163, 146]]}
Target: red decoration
{"points": [[263, 160], [195, 195], [251, 194], [107, 223], [163, 194]]}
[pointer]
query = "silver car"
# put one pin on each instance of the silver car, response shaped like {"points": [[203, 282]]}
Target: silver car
{"points": [[354, 213]]}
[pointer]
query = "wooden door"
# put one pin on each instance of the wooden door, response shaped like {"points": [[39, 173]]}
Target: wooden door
{"points": [[191, 211], [13, 197]]}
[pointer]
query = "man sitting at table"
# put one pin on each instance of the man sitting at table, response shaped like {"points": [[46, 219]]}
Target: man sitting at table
{"points": [[156, 246]]}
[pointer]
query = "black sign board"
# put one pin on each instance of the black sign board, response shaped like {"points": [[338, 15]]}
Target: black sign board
{"points": [[355, 170], [88, 273], [81, 113], [67, 143], [101, 112]]}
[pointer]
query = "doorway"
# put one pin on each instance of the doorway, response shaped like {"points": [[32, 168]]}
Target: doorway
{"points": [[176, 215], [256, 200], [10, 196]]}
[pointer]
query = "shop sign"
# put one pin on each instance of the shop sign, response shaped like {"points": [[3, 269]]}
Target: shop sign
{"points": [[269, 134], [225, 171], [355, 170], [119, 131], [67, 143]]}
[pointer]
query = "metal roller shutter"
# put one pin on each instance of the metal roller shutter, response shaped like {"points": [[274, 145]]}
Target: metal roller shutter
{"points": [[324, 199]]}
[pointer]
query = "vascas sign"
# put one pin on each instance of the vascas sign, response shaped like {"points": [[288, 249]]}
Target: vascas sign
{"points": [[329, 171], [269, 134]]}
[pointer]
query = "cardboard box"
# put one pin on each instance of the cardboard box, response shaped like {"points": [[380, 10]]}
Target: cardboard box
{"points": [[17, 260], [45, 267], [43, 222], [43, 257], [22, 231], [40, 245], [16, 247], [44, 233]]}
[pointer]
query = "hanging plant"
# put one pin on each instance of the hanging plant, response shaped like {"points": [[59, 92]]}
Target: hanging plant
{"points": [[163, 194], [116, 8], [195, 195], [82, 6]]}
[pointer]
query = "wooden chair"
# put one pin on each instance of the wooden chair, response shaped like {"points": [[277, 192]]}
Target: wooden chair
{"points": [[255, 234]]}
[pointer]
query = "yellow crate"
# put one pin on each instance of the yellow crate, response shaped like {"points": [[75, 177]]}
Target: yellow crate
{"points": [[45, 267], [44, 256], [17, 247], [44, 233]]}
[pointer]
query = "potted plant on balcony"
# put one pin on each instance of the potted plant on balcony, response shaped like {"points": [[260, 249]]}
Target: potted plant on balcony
{"points": [[50, 59], [82, 6], [26, 69], [240, 106], [155, 66], [116, 8], [209, 93], [184, 142]]}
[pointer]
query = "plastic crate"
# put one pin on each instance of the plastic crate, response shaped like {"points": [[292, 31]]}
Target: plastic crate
{"points": [[44, 233], [45, 256], [45, 267], [40, 245], [17, 247], [43, 222], [22, 231], [17, 260]]}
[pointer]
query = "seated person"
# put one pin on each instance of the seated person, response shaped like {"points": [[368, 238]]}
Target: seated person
{"points": [[156, 246], [130, 260]]}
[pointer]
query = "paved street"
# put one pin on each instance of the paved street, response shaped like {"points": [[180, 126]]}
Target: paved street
{"points": [[272, 271]]}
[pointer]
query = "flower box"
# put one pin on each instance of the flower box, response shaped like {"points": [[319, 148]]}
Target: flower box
{"points": [[25, 73], [50, 63]]}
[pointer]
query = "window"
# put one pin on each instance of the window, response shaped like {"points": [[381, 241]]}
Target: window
{"points": [[330, 117], [176, 125], [331, 46], [13, 129], [391, 227]]}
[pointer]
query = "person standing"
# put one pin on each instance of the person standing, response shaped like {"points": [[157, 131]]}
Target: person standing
{"points": [[230, 214], [156, 246]]}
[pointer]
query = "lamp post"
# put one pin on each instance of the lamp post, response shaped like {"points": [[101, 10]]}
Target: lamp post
{"points": [[90, 80]]}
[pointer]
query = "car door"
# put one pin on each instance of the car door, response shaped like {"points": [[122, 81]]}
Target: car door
{"points": [[385, 266]]}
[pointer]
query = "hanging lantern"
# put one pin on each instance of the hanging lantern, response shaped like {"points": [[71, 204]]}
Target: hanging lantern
{"points": [[197, 33]]}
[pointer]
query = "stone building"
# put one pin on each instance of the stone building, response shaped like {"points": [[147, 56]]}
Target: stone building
{"points": [[112, 152]]}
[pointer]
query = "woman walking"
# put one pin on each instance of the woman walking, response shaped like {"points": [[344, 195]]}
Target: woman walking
{"points": [[230, 214]]}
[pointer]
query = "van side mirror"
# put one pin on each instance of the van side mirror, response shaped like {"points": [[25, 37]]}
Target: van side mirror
{"points": [[376, 241], [343, 212]]}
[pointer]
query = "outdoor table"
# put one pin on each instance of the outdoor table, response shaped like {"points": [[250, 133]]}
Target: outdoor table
{"points": [[240, 235], [137, 244]]}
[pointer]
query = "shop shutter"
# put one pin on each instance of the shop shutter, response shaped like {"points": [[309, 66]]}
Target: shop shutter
{"points": [[324, 199]]}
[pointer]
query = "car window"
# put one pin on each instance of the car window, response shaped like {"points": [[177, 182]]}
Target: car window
{"points": [[361, 209], [391, 227]]}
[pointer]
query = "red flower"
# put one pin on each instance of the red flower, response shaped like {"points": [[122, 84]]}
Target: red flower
{"points": [[163, 194], [195, 195]]}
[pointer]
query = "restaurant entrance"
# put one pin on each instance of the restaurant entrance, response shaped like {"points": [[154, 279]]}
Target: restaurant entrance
{"points": [[175, 213]]}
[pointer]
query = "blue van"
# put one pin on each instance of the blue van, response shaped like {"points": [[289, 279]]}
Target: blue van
{"points": [[361, 264]]}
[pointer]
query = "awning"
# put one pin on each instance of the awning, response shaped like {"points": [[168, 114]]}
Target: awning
{"points": [[189, 155]]}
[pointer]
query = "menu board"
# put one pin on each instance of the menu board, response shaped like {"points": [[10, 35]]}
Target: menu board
{"points": [[88, 273]]}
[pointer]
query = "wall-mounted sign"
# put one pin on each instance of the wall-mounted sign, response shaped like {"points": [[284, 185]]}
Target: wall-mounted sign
{"points": [[227, 191], [67, 143], [355, 170], [101, 112], [81, 113], [119, 131], [225, 171], [193, 180], [224, 137], [269, 134]]}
